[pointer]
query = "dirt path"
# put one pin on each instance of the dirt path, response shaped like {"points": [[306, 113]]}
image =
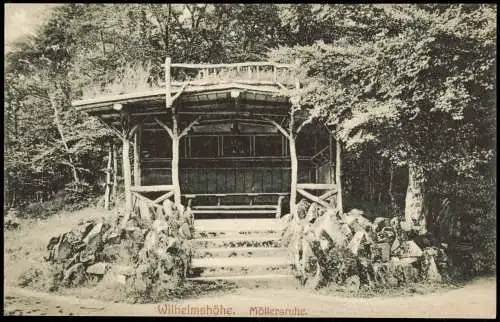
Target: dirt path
{"points": [[477, 300]]}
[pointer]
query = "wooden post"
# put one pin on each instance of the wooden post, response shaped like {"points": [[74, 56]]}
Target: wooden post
{"points": [[294, 164], [338, 177], [331, 167], [137, 157], [168, 99], [294, 169], [175, 169], [127, 180], [115, 173], [108, 179]]}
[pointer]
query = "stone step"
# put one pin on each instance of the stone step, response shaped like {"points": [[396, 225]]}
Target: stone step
{"points": [[240, 261], [244, 277], [237, 234], [225, 267], [238, 241], [241, 252], [227, 225]]}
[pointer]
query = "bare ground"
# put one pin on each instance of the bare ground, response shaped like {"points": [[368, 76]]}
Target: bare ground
{"points": [[24, 247], [476, 300]]}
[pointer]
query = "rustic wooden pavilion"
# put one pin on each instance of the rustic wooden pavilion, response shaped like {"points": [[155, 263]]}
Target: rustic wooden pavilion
{"points": [[217, 138]]}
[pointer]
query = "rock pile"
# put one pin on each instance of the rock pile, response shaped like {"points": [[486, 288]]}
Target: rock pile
{"points": [[149, 247], [350, 250]]}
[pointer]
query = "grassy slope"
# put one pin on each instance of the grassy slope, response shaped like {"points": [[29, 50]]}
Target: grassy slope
{"points": [[25, 247]]}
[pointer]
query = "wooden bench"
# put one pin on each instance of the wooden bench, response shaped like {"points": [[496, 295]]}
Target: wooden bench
{"points": [[250, 208]]}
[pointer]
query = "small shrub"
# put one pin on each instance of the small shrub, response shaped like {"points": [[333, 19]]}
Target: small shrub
{"points": [[38, 276]]}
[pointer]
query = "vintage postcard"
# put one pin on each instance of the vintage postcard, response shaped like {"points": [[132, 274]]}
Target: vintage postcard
{"points": [[250, 160]]}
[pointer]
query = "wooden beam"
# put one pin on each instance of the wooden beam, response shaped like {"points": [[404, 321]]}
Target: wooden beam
{"points": [[114, 130], [338, 176], [279, 127], [189, 127], [115, 173], [133, 130], [165, 127], [313, 198], [176, 96], [237, 207], [327, 194], [168, 100], [127, 174], [152, 188], [317, 186], [164, 197], [139, 196], [234, 65], [137, 157], [108, 179]]}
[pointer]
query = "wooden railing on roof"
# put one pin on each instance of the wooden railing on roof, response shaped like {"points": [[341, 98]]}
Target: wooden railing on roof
{"points": [[252, 73]]}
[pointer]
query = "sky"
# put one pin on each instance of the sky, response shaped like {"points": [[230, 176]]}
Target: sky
{"points": [[22, 19]]}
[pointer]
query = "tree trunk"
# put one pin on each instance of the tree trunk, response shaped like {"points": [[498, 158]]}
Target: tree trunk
{"points": [[294, 169], [137, 158], [175, 170], [338, 176], [108, 180], [127, 180], [57, 120], [415, 207]]}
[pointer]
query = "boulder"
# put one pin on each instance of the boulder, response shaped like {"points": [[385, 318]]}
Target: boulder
{"points": [[383, 252], [97, 268], [312, 213], [302, 207], [356, 217], [185, 231], [353, 283], [346, 231], [410, 249], [145, 212], [62, 250], [151, 240], [356, 242], [329, 225], [429, 266], [74, 274], [123, 270], [160, 225], [93, 233]]}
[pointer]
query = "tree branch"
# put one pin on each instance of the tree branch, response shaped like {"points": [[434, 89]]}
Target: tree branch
{"points": [[307, 121], [279, 127], [173, 98], [165, 127], [115, 131], [189, 127], [133, 130]]}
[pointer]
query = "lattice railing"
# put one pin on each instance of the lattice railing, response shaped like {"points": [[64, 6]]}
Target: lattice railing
{"points": [[254, 73]]}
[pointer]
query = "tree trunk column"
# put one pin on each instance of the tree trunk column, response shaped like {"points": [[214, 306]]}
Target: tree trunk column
{"points": [[294, 169], [137, 158], [338, 176], [108, 179], [127, 180], [175, 170], [415, 208]]}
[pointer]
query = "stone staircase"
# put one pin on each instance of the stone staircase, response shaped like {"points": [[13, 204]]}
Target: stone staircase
{"points": [[239, 249]]}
